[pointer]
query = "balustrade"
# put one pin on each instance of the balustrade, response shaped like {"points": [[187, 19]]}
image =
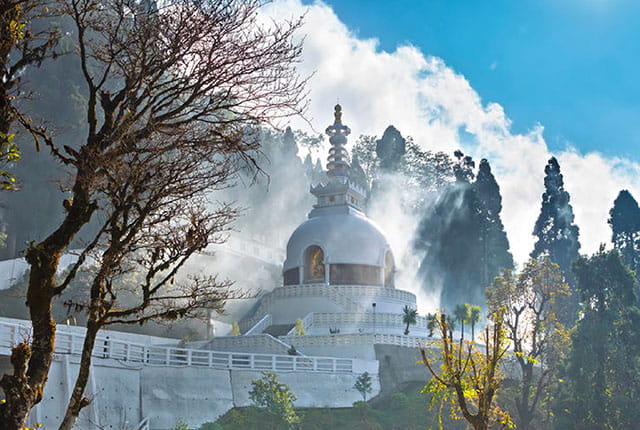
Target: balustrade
{"points": [[156, 355]]}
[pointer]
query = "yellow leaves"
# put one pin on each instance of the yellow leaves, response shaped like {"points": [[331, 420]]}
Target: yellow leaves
{"points": [[529, 358], [16, 29]]}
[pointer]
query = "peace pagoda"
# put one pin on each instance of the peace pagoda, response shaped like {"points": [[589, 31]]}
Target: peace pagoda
{"points": [[338, 295]]}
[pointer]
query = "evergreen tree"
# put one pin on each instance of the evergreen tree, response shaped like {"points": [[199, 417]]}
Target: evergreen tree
{"points": [[390, 149], [357, 173], [602, 375], [495, 255], [558, 235], [463, 237], [289, 146], [625, 226]]}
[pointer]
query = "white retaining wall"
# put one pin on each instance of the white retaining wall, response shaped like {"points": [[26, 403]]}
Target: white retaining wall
{"points": [[164, 384]]}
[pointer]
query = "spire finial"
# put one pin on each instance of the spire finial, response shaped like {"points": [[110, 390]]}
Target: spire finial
{"points": [[338, 155]]}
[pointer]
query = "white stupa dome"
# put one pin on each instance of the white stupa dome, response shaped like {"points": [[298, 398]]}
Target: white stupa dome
{"points": [[338, 244], [345, 238]]}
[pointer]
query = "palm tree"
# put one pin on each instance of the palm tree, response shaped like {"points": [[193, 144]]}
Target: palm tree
{"points": [[409, 317], [431, 323], [462, 313], [475, 318]]}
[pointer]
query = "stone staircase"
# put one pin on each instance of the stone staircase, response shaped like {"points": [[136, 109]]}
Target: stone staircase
{"points": [[277, 330]]}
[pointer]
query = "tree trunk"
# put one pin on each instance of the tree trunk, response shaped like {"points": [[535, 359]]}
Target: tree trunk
{"points": [[523, 404], [31, 363], [77, 401]]}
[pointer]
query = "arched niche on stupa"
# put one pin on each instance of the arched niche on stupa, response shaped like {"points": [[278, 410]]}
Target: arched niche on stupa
{"points": [[314, 264]]}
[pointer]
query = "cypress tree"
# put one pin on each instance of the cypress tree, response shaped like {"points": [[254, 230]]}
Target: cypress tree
{"points": [[556, 232], [390, 149], [558, 235], [463, 236], [495, 255], [625, 226]]}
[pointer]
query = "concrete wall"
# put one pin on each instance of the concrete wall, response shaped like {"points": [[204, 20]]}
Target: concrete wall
{"points": [[398, 367], [113, 387], [312, 390], [124, 393], [202, 395], [195, 395]]}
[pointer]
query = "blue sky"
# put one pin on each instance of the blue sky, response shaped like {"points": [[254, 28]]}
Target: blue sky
{"points": [[570, 65]]}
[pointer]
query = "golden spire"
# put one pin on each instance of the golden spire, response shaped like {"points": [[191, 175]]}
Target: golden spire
{"points": [[337, 114]]}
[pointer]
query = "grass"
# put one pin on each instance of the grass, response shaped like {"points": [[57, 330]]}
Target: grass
{"points": [[406, 410]]}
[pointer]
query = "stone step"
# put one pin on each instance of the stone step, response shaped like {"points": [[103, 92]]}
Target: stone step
{"points": [[277, 330]]}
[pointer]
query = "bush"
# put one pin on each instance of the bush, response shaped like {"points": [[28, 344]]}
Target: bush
{"points": [[180, 425], [275, 398]]}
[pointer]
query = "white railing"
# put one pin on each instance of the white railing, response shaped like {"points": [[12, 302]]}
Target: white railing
{"points": [[340, 294], [383, 319], [260, 326], [144, 424], [11, 334], [358, 339], [347, 290]]}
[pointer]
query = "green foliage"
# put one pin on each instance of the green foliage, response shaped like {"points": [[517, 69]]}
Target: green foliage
{"points": [[411, 413], [462, 236], [432, 323], [276, 399], [495, 255], [211, 426], [424, 171], [180, 425], [476, 313], [363, 385], [462, 313], [625, 227], [409, 317], [601, 377], [390, 149], [557, 235]]}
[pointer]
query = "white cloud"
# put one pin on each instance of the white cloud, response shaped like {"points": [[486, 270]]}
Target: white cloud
{"points": [[425, 98]]}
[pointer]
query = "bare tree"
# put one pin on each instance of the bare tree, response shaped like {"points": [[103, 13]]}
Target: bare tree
{"points": [[171, 93], [156, 218]]}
